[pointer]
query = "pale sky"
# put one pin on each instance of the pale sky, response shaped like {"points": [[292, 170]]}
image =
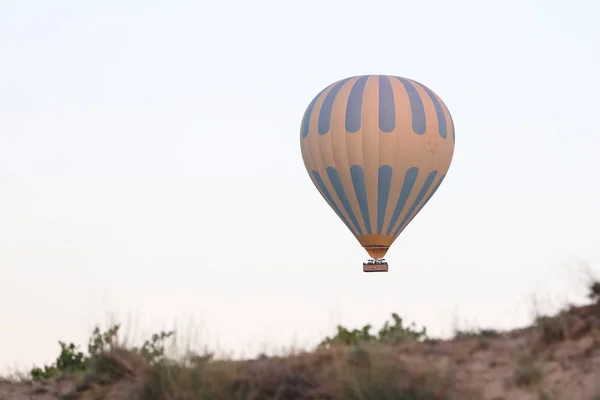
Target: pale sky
{"points": [[150, 165]]}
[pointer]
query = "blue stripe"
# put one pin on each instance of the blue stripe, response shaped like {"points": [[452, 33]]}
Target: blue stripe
{"points": [[332, 203], [308, 114], [327, 107], [387, 108], [439, 111], [417, 201], [409, 181], [383, 191], [334, 177], [437, 185], [358, 180], [354, 106], [416, 107], [452, 123]]}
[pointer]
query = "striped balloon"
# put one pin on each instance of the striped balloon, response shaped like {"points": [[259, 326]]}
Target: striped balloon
{"points": [[377, 147]]}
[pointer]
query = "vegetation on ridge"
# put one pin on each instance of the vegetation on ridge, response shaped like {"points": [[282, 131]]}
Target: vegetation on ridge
{"points": [[352, 364]]}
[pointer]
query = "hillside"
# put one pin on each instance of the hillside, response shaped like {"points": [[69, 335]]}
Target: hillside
{"points": [[557, 358]]}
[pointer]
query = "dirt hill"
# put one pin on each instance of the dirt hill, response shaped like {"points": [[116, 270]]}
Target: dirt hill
{"points": [[557, 358]]}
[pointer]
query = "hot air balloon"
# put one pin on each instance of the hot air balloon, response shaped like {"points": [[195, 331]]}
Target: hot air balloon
{"points": [[377, 147]]}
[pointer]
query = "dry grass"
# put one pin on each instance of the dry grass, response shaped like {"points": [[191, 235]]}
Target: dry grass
{"points": [[369, 372], [557, 358]]}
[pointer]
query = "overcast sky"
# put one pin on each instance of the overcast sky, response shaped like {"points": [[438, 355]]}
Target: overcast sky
{"points": [[150, 167]]}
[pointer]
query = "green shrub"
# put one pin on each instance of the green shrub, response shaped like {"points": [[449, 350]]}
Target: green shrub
{"points": [[69, 361], [389, 334], [72, 361], [476, 333], [594, 292]]}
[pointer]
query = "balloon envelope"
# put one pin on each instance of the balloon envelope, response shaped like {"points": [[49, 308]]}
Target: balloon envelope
{"points": [[377, 147]]}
